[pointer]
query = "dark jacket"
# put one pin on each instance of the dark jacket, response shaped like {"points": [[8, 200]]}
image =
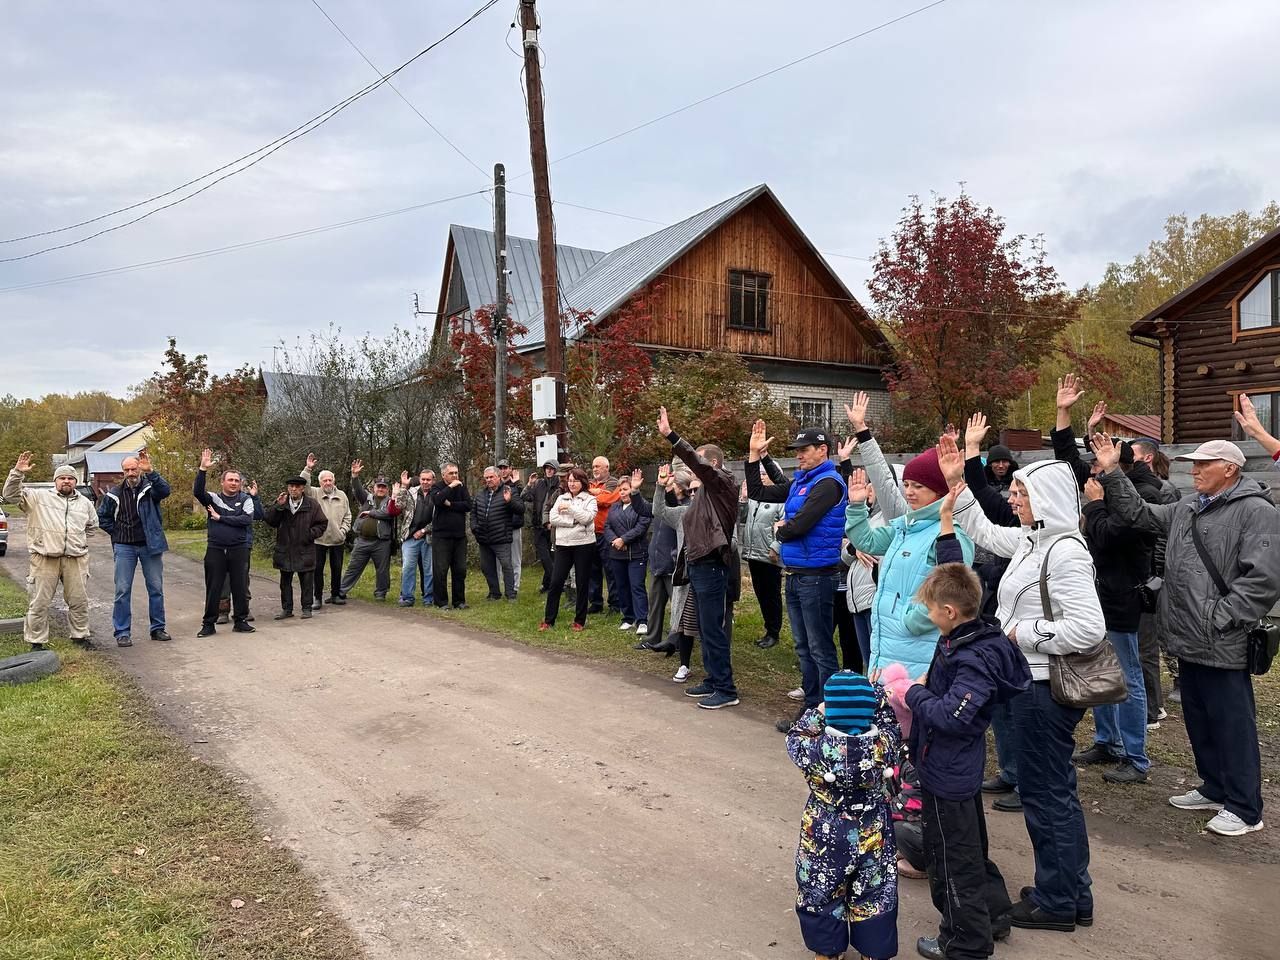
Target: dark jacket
{"points": [[713, 513], [152, 488], [452, 504], [234, 528], [1000, 452], [1121, 555], [296, 534], [662, 544], [631, 523], [974, 668], [424, 510], [385, 513], [493, 517], [539, 495]]}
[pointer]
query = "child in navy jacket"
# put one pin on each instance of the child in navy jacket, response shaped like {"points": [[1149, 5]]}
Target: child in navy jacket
{"points": [[974, 668]]}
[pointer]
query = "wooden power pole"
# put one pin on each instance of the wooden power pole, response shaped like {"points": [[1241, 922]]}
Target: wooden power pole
{"points": [[554, 347], [500, 313]]}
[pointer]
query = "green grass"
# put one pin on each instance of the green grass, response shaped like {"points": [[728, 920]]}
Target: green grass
{"points": [[13, 599], [116, 843]]}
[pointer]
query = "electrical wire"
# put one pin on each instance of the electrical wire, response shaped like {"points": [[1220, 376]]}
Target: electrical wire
{"points": [[233, 167], [743, 83], [434, 129], [233, 247]]}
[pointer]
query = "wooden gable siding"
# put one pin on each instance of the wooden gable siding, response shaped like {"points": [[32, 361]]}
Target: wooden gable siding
{"points": [[808, 318], [1209, 369]]}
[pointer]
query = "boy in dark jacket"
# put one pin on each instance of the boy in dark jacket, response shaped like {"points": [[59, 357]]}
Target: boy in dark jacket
{"points": [[974, 668]]}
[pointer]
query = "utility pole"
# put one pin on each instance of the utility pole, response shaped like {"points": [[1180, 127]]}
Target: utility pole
{"points": [[554, 348], [500, 313]]}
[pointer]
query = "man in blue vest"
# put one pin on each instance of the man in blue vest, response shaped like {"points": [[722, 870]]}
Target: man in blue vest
{"points": [[809, 540]]}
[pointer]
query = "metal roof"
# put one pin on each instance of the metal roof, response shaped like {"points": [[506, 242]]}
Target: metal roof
{"points": [[474, 253], [77, 430], [96, 462], [81, 456]]}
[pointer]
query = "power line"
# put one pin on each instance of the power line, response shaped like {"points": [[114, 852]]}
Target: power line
{"points": [[744, 83], [436, 130], [297, 132], [233, 247]]}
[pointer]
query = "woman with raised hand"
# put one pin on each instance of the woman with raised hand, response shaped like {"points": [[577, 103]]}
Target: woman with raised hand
{"points": [[573, 521], [1045, 496]]}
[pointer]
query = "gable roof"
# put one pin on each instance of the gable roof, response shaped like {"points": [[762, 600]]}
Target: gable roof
{"points": [[473, 250], [77, 430], [1138, 424], [1147, 325], [122, 434]]}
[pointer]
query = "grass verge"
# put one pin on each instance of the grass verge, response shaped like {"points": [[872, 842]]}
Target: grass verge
{"points": [[13, 599], [116, 843]]}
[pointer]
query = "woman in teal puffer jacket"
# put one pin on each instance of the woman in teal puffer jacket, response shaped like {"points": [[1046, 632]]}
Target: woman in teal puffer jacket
{"points": [[909, 547]]}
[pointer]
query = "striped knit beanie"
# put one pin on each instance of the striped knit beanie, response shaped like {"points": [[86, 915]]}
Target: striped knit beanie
{"points": [[851, 702]]}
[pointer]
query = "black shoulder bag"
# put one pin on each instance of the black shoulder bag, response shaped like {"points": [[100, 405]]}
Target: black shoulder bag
{"points": [[1262, 640], [1089, 679]]}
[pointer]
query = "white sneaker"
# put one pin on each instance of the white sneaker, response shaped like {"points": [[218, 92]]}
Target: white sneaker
{"points": [[1228, 824], [681, 675], [1194, 800], [796, 694], [1153, 725], [642, 628], [1162, 715], [624, 626]]}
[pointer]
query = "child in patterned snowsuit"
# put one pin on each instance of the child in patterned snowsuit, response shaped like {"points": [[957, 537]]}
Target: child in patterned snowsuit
{"points": [[846, 864]]}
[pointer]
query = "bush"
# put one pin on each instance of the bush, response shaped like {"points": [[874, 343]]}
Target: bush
{"points": [[193, 521]]}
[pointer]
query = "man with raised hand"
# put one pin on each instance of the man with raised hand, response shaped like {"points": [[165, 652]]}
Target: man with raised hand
{"points": [[130, 513], [331, 544], [232, 512]]}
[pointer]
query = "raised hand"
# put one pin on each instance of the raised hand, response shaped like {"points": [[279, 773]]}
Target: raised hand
{"points": [[1093, 489], [742, 492], [760, 440], [858, 486], [396, 488], [404, 479], [1070, 389], [1099, 411], [952, 431], [144, 460], [25, 460], [515, 476], [1106, 452], [664, 422], [311, 461], [949, 460], [252, 488], [637, 478], [356, 467], [206, 458], [845, 450], [664, 471], [975, 433], [857, 411], [280, 500]]}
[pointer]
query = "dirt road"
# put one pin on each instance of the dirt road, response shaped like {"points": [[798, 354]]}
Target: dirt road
{"points": [[461, 796]]}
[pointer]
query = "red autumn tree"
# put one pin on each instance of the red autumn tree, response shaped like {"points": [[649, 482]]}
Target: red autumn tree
{"points": [[971, 312], [208, 409]]}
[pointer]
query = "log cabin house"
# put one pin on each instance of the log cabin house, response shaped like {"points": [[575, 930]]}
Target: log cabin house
{"points": [[740, 276], [1218, 338]]}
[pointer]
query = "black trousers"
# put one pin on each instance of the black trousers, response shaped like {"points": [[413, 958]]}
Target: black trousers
{"points": [[967, 888], [248, 583], [1218, 709], [333, 556], [448, 556], [766, 583], [542, 547], [305, 585], [226, 564], [846, 634], [579, 559]]}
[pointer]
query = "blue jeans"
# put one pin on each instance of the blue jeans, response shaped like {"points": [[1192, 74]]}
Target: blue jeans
{"points": [[128, 556], [629, 576], [412, 553], [1006, 737], [862, 627], [1050, 804], [1122, 727], [709, 581], [809, 609]]}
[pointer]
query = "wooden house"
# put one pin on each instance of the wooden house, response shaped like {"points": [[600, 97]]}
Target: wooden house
{"points": [[96, 450], [1218, 338], [740, 276]]}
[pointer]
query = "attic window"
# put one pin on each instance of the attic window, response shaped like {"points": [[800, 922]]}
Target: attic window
{"points": [[1260, 307], [749, 300]]}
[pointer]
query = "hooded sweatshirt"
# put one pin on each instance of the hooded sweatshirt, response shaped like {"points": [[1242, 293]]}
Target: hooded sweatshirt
{"points": [[1075, 623]]}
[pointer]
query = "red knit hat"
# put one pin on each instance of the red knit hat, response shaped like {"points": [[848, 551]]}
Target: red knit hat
{"points": [[925, 471]]}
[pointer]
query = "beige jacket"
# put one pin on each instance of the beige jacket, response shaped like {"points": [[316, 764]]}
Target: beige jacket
{"points": [[57, 526], [337, 510]]}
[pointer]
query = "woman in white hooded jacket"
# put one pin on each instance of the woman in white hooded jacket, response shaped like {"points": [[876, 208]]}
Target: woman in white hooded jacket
{"points": [[1046, 498]]}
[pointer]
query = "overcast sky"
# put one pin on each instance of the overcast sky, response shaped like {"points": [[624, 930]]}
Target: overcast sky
{"points": [[1088, 122]]}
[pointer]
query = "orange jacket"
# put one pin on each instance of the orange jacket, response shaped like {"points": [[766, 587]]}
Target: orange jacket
{"points": [[605, 498]]}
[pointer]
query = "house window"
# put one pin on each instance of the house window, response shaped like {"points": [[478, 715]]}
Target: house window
{"points": [[1268, 407], [810, 412], [749, 300], [1260, 307]]}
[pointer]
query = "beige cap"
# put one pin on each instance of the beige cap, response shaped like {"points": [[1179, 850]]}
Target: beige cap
{"points": [[1216, 450], [65, 471]]}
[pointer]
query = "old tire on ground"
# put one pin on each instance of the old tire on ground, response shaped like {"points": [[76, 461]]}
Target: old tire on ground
{"points": [[27, 667]]}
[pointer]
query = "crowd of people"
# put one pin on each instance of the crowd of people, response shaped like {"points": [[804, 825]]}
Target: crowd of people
{"points": [[925, 606]]}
